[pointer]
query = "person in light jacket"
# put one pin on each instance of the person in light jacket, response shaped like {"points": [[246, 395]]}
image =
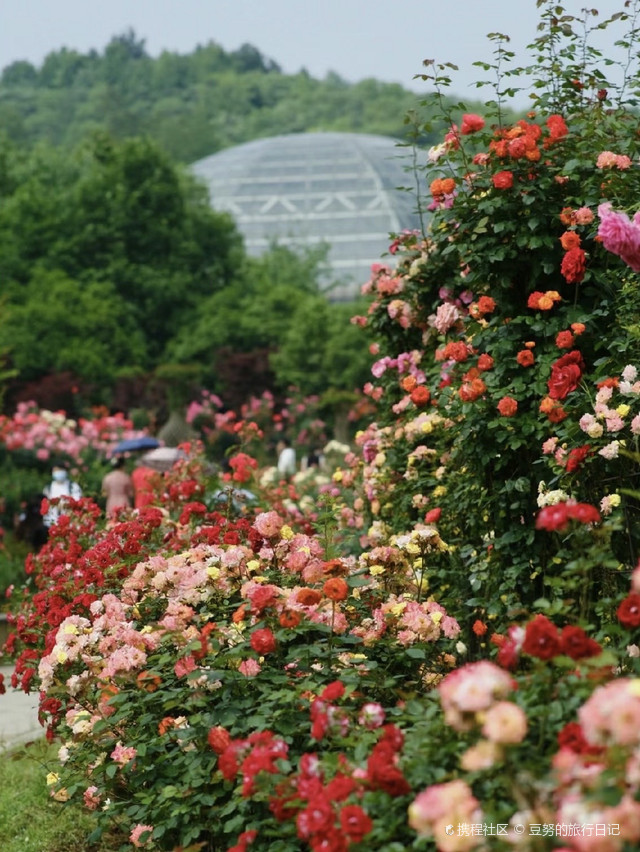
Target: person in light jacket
{"points": [[61, 486]]}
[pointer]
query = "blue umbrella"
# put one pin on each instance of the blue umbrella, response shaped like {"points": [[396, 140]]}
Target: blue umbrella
{"points": [[145, 442]]}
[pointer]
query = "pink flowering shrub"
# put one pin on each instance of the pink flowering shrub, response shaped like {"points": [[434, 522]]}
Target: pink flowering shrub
{"points": [[52, 433]]}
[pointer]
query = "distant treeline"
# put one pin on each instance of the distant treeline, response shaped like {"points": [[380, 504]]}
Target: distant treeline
{"points": [[193, 104]]}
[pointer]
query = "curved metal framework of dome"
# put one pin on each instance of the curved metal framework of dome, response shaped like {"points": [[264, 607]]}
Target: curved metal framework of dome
{"points": [[309, 188]]}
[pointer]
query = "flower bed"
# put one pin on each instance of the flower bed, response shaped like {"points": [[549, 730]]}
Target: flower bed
{"points": [[437, 646]]}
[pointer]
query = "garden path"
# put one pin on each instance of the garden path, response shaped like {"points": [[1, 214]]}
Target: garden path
{"points": [[18, 714]]}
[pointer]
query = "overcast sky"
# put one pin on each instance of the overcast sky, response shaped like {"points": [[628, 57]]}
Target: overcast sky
{"points": [[386, 39]]}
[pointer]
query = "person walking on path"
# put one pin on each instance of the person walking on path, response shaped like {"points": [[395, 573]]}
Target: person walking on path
{"points": [[61, 486], [117, 487], [286, 459]]}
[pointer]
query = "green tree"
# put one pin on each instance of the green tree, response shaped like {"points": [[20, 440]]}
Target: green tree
{"points": [[321, 350], [86, 329], [119, 221]]}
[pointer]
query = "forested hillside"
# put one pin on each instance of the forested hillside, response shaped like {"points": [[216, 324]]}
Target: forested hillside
{"points": [[191, 105]]}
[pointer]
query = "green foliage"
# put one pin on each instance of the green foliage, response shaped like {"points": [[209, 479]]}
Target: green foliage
{"points": [[278, 305], [320, 351], [87, 329], [107, 254]]}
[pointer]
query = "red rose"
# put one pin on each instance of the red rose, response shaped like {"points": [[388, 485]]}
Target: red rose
{"points": [[382, 774], [420, 396], [534, 299], [479, 627], [316, 818], [541, 638], [575, 643], [557, 517], [517, 147], [566, 373], [333, 690], [576, 458], [471, 123], [584, 512], [503, 180], [629, 611], [507, 406], [573, 738], [433, 515], [219, 739], [485, 362], [355, 822], [573, 265], [508, 654], [263, 641]]}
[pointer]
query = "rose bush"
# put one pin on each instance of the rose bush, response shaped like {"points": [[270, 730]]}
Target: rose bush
{"points": [[510, 313]]}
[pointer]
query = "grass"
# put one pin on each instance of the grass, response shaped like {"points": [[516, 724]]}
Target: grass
{"points": [[30, 820], [12, 556]]}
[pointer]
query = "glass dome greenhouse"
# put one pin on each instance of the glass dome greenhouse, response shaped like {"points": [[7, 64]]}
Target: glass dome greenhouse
{"points": [[307, 189]]}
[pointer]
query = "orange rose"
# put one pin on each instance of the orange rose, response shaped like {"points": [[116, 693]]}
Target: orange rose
{"points": [[486, 304], [289, 618], [570, 240], [564, 340], [148, 681], [507, 406], [308, 597], [336, 589], [240, 614], [525, 358], [165, 724]]}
